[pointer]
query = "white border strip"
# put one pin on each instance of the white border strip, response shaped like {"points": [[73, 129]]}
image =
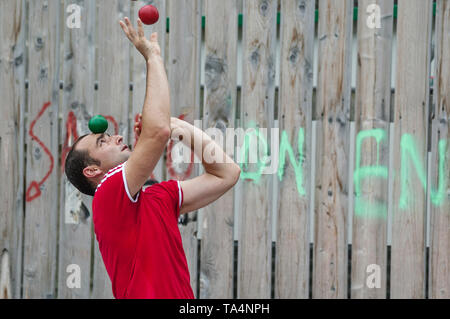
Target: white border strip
{"points": [[126, 187], [180, 195], [110, 173]]}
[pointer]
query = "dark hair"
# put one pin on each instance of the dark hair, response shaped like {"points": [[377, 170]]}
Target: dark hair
{"points": [[76, 161]]}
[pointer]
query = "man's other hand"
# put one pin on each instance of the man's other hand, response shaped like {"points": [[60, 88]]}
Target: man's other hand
{"points": [[146, 47]]}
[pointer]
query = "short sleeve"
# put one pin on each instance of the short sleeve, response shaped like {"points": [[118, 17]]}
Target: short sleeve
{"points": [[171, 192]]}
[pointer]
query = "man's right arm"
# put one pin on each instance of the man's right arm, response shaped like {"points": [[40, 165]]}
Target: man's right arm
{"points": [[155, 113]]}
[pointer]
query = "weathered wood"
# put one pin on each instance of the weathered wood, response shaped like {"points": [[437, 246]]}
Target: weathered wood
{"points": [[257, 110], [440, 148], [42, 151], [372, 112], [5, 276], [139, 70], [333, 135], [102, 286], [411, 125], [295, 118], [184, 82], [78, 106], [12, 91], [113, 96], [216, 265]]}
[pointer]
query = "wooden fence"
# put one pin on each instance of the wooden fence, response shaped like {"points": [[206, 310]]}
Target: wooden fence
{"points": [[358, 202]]}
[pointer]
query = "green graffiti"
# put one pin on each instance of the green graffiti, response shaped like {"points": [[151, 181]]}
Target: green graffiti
{"points": [[408, 147], [261, 163], [285, 146], [360, 173], [437, 197], [408, 150]]}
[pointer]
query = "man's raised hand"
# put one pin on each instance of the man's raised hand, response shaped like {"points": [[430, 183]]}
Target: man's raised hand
{"points": [[146, 47]]}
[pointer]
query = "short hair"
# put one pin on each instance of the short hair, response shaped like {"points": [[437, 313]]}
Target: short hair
{"points": [[76, 162]]}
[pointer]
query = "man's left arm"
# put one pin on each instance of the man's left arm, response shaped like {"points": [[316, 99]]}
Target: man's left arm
{"points": [[218, 178]]}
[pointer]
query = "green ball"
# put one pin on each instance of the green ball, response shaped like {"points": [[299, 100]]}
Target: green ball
{"points": [[98, 124]]}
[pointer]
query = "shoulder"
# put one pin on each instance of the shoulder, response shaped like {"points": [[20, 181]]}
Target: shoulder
{"points": [[112, 176], [171, 185], [170, 189], [114, 183]]}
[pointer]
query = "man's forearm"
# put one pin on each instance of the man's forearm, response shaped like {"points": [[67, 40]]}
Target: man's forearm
{"points": [[205, 147], [156, 109]]}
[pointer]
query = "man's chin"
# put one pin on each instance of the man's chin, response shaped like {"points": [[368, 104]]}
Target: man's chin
{"points": [[125, 156]]}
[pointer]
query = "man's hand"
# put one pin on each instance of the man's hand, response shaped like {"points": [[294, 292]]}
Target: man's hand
{"points": [[146, 47], [176, 132], [138, 126]]}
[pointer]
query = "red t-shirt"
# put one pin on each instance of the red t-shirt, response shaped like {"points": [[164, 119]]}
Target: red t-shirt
{"points": [[139, 238]]}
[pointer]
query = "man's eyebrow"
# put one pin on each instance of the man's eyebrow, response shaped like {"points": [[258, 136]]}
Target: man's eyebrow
{"points": [[99, 138]]}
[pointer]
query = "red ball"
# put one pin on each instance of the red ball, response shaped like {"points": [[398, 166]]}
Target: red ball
{"points": [[149, 14]]}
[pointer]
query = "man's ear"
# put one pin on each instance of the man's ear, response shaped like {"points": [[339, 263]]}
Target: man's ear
{"points": [[92, 171]]}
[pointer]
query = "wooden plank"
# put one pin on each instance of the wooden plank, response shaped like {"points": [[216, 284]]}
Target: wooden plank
{"points": [[113, 96], [333, 136], [139, 70], [5, 276], [257, 110], [12, 91], [372, 112], [42, 151], [411, 125], [184, 82], [295, 118], [440, 148], [78, 104], [216, 265]]}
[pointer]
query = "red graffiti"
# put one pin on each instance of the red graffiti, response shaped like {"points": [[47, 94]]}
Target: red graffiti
{"points": [[71, 136], [169, 163], [34, 190], [114, 122]]}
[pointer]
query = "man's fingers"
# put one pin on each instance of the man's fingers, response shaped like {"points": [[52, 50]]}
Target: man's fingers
{"points": [[140, 28], [131, 30], [127, 21], [123, 26], [154, 37]]}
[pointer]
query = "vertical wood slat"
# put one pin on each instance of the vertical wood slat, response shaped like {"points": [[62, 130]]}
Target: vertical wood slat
{"points": [[42, 151], [216, 273], [139, 69], [12, 91], [372, 112], [295, 118], [440, 206], [113, 96], [411, 123], [257, 109], [184, 83], [333, 135], [78, 106]]}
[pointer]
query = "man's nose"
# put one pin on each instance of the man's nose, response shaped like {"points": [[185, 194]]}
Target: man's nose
{"points": [[119, 139]]}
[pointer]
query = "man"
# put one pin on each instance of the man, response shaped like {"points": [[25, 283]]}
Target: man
{"points": [[137, 229]]}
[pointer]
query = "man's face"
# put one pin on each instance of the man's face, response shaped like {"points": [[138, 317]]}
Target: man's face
{"points": [[109, 150]]}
